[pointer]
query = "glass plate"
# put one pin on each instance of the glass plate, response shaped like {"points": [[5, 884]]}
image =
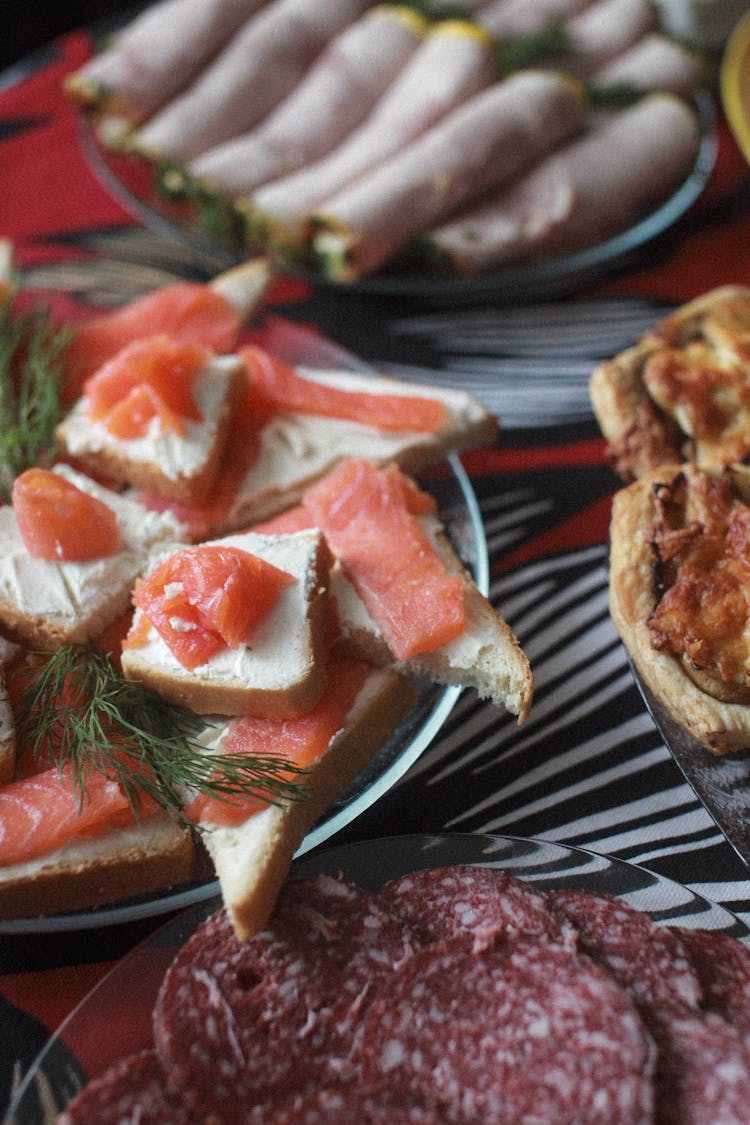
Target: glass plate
{"points": [[131, 180], [459, 511], [123, 1000]]}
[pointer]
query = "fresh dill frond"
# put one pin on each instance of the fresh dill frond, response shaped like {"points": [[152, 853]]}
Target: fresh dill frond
{"points": [[31, 375], [82, 714], [535, 47]]}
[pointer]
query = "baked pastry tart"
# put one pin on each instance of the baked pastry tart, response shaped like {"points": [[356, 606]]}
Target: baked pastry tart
{"points": [[682, 393], [680, 597]]}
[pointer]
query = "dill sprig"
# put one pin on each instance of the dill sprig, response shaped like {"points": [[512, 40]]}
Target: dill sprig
{"points": [[80, 712], [31, 372]]}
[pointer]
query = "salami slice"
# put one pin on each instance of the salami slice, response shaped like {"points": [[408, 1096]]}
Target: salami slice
{"points": [[133, 1092], [648, 960], [482, 902], [235, 1021], [723, 967], [704, 1069], [364, 1105], [557, 1039]]}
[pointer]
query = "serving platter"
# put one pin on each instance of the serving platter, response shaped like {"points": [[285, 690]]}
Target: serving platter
{"points": [[459, 512], [720, 782], [123, 1000], [137, 185]]}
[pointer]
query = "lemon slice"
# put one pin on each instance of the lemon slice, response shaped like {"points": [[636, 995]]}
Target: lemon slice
{"points": [[734, 83]]}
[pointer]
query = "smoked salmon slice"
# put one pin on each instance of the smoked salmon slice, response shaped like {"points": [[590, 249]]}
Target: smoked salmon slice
{"points": [[41, 813], [301, 740], [59, 521], [241, 453], [186, 311], [370, 518], [204, 599], [149, 378], [283, 388]]}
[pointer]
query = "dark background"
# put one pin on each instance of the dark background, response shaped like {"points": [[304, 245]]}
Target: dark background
{"points": [[29, 24]]}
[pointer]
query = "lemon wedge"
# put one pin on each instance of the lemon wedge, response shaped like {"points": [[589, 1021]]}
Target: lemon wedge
{"points": [[734, 83]]}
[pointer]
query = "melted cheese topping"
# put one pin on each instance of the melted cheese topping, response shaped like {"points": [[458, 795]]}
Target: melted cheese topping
{"points": [[703, 382], [701, 544]]}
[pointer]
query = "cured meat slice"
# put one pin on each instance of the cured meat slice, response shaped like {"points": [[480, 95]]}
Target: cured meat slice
{"points": [[723, 967], [557, 1040], [259, 66], [334, 96], [704, 1069], [648, 960], [513, 19], [235, 1022], [453, 62], [483, 143], [157, 54], [356, 1103], [478, 902], [586, 192], [603, 30], [132, 1092], [653, 63]]}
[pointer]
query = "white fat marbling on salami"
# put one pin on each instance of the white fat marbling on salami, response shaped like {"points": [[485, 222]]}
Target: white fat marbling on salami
{"points": [[649, 961], [523, 1031], [478, 902], [133, 1092], [723, 967], [281, 1010]]}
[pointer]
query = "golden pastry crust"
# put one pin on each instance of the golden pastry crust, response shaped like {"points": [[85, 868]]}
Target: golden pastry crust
{"points": [[683, 392], [680, 597]]}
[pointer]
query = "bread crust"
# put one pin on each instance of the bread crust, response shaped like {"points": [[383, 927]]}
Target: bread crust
{"points": [[640, 433], [113, 459], [718, 725], [123, 863], [252, 860]]}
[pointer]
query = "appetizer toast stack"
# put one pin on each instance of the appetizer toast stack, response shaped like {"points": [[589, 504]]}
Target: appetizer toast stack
{"points": [[674, 411], [398, 136], [218, 588]]}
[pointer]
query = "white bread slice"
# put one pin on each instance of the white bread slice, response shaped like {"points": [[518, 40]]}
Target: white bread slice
{"points": [[94, 870], [486, 656], [252, 859], [280, 672], [48, 603], [245, 286], [298, 449], [179, 466]]}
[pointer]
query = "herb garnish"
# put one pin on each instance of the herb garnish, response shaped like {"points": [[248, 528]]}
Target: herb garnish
{"points": [[79, 711], [31, 372]]}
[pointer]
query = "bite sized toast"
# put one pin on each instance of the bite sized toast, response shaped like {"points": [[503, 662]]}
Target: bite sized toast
{"points": [[124, 427], [45, 603], [252, 857], [679, 597], [91, 870], [278, 669], [486, 656], [682, 392]]}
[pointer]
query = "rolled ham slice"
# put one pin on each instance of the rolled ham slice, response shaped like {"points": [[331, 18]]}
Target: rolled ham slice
{"points": [[486, 141], [158, 54], [512, 19], [259, 66], [604, 30], [593, 187], [333, 97], [653, 63], [454, 61]]}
